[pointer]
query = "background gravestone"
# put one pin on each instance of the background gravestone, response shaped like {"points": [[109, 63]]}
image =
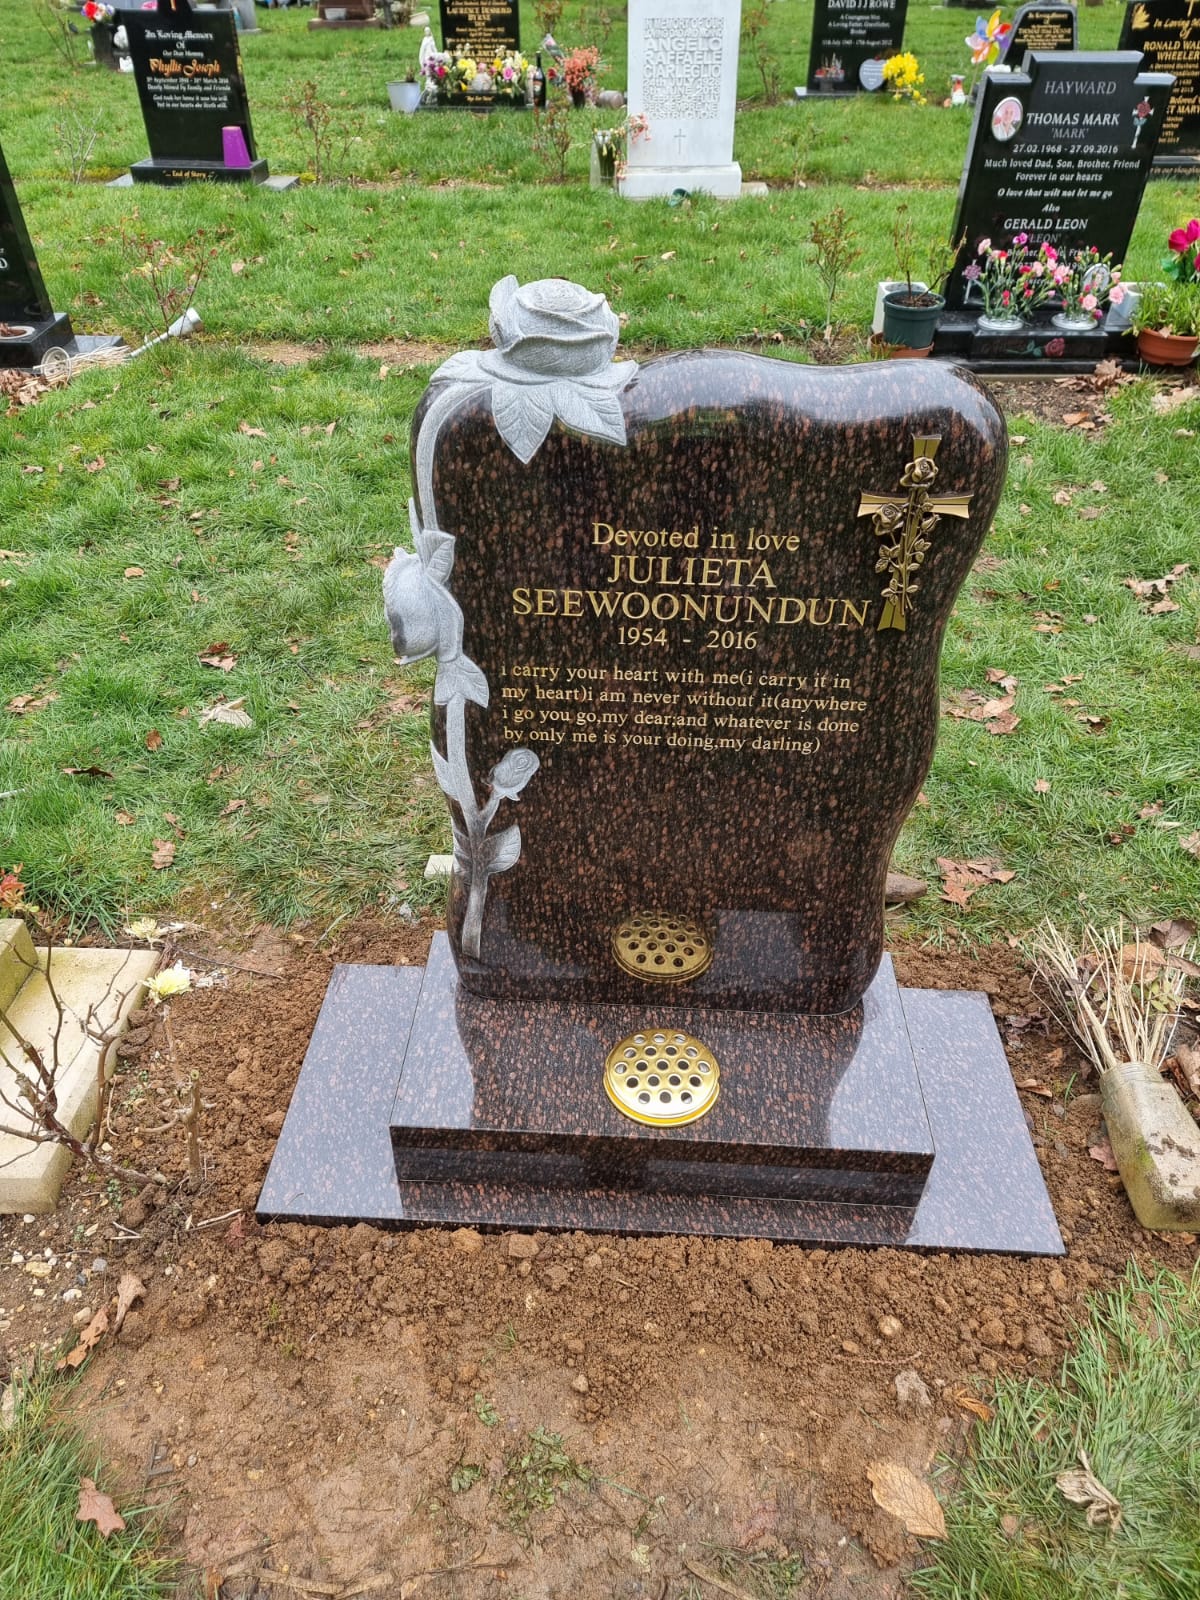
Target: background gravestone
{"points": [[189, 78], [1041, 27], [32, 325], [683, 57], [847, 33], [1060, 151], [1167, 32], [481, 28]]}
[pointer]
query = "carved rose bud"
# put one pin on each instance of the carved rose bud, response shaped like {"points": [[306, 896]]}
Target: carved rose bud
{"points": [[512, 772], [551, 328], [423, 617]]}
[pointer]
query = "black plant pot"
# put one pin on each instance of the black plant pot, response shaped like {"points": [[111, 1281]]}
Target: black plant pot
{"points": [[912, 326]]}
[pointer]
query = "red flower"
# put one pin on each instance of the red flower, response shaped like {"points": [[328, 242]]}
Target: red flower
{"points": [[1005, 297]]}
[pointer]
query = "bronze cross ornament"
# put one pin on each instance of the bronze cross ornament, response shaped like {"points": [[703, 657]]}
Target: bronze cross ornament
{"points": [[908, 520]]}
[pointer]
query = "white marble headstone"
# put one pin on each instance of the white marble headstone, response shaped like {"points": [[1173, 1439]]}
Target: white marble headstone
{"points": [[683, 60]]}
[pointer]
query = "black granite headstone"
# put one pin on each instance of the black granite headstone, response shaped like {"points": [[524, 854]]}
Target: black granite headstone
{"points": [[481, 28], [1041, 27], [28, 324], [1061, 152], [848, 33], [1167, 32], [189, 78]]}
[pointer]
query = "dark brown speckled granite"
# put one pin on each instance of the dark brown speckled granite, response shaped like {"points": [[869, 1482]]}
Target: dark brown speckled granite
{"points": [[782, 855], [810, 1107], [334, 1160]]}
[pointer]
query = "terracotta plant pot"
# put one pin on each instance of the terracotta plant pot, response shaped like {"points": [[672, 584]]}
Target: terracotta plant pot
{"points": [[1167, 349], [912, 326]]}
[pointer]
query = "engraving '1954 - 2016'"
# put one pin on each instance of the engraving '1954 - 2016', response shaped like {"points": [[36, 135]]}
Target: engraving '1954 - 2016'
{"points": [[735, 593]]}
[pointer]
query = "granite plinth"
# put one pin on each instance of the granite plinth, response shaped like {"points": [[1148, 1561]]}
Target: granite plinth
{"points": [[811, 1107], [1037, 348], [335, 1163], [173, 173]]}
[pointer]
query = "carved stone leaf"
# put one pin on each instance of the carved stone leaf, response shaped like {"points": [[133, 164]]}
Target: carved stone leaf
{"points": [[441, 771], [503, 850], [523, 416], [460, 676], [436, 550], [591, 410], [462, 367]]}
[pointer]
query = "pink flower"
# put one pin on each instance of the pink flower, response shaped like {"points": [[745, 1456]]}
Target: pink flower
{"points": [[1005, 298], [1060, 275], [1022, 238], [1037, 269], [1116, 294], [1088, 302], [984, 246], [1177, 241], [1051, 252]]}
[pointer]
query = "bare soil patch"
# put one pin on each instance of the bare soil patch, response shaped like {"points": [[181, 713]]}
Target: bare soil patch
{"points": [[333, 1407]]}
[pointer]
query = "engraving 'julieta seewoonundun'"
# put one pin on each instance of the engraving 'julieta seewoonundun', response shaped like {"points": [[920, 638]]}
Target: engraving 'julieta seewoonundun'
{"points": [[553, 359]]}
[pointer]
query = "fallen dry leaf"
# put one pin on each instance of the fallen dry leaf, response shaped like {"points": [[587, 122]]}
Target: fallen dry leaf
{"points": [[22, 703], [125, 819], [229, 712], [88, 1339], [1192, 843], [251, 433], [1168, 400], [86, 772], [972, 1403], [902, 1494], [1083, 1488], [1173, 931], [163, 854], [129, 1289], [153, 740], [1032, 1086], [234, 805], [135, 572], [218, 655], [98, 1508], [1103, 1154], [98, 465], [1042, 786]]}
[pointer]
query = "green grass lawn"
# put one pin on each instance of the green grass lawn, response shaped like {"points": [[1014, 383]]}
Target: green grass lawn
{"points": [[257, 528]]}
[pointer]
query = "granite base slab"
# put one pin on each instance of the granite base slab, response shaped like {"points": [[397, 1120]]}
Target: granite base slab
{"points": [[334, 1160], [501, 1091], [173, 173]]}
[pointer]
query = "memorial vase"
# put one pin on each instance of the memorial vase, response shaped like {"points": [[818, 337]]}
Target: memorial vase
{"points": [[988, 324], [1074, 321]]}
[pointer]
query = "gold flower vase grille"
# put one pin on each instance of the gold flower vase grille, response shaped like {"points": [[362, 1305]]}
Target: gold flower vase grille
{"points": [[662, 1077], [662, 948]]}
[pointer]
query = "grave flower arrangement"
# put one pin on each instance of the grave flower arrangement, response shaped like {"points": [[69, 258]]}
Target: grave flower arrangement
{"points": [[1013, 283], [611, 145], [1183, 263], [903, 76], [1086, 282], [579, 69], [451, 77], [830, 74], [97, 11]]}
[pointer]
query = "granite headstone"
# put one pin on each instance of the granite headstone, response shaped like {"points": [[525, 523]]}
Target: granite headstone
{"points": [[1167, 32], [683, 67], [846, 36], [188, 70], [29, 325], [481, 28], [1060, 151], [686, 618], [1041, 27]]}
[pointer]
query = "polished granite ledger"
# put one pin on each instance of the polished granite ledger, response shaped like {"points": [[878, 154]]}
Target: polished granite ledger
{"points": [[335, 1160]]}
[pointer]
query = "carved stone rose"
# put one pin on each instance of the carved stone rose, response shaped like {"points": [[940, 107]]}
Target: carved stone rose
{"points": [[551, 328]]}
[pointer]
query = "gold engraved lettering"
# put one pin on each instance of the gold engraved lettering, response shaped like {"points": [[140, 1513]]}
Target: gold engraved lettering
{"points": [[908, 521]]}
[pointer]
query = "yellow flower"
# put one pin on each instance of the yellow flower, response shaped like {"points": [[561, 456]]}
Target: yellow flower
{"points": [[171, 980]]}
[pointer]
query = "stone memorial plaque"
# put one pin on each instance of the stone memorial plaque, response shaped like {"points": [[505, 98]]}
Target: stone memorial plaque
{"points": [[189, 78], [683, 57], [481, 28], [846, 35], [686, 618], [29, 325], [1060, 151], [1046, 28], [1167, 32]]}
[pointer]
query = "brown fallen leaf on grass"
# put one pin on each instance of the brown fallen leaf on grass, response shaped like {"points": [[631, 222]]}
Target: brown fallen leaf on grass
{"points": [[22, 703], [88, 1339], [219, 655], [98, 1508], [1174, 931], [163, 854], [252, 433], [86, 772], [1083, 1488], [902, 1494], [966, 1401], [124, 819], [135, 572], [962, 878], [153, 740], [1155, 589], [1192, 843]]}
